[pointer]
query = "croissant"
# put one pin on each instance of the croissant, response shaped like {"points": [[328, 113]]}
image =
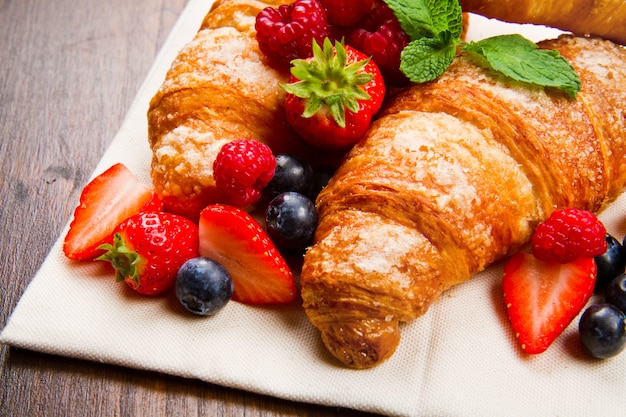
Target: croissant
{"points": [[603, 18], [453, 176], [219, 88]]}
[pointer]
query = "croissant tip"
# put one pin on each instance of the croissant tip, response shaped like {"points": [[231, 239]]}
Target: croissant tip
{"points": [[364, 344]]}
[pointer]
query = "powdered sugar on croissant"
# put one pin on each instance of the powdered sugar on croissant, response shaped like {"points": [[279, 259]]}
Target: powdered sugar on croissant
{"points": [[219, 88]]}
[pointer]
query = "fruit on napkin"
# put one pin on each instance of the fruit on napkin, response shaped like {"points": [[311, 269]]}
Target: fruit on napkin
{"points": [[111, 197], [233, 238], [333, 96], [149, 248], [602, 330], [542, 298], [203, 286], [546, 289]]}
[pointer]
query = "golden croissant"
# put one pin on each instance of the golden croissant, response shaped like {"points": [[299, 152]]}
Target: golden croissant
{"points": [[603, 18], [218, 89], [453, 176]]}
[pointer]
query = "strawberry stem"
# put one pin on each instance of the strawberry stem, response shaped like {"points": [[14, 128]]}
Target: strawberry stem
{"points": [[125, 260], [326, 80]]}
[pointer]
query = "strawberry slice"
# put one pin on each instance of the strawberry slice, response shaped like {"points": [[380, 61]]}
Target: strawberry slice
{"points": [[110, 198], [542, 298], [233, 238]]}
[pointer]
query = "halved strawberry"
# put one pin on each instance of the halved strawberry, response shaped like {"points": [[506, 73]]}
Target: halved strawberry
{"points": [[105, 202], [542, 298], [233, 238]]}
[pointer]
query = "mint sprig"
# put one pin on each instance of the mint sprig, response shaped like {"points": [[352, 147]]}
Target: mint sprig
{"points": [[519, 59], [435, 28]]}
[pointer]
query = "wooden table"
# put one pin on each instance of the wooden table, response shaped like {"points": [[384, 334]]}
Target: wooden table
{"points": [[69, 70]]}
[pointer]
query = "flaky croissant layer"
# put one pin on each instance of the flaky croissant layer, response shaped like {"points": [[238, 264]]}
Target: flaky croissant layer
{"points": [[452, 177], [219, 88]]}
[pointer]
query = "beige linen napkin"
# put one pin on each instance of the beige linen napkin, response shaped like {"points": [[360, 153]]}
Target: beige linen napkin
{"points": [[460, 359]]}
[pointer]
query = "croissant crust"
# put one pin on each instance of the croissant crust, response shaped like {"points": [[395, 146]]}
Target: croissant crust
{"points": [[453, 176]]}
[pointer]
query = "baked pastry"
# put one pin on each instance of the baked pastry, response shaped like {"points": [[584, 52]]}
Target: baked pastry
{"points": [[453, 176], [219, 88], [604, 18]]}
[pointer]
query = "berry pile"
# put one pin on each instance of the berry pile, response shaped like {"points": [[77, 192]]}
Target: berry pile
{"points": [[228, 254], [366, 25], [571, 257]]}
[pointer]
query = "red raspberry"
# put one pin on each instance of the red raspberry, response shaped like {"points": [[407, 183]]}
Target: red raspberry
{"points": [[346, 12], [380, 35], [241, 170], [287, 32], [569, 234]]}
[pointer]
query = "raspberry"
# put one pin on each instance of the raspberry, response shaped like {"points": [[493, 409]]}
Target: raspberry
{"points": [[569, 234], [346, 12], [287, 32], [241, 170], [380, 35]]}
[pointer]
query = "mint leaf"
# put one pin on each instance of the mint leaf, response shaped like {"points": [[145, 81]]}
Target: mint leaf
{"points": [[447, 16], [435, 28], [519, 59], [426, 59], [428, 18]]}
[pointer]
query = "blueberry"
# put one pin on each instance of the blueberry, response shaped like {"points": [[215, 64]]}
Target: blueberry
{"points": [[291, 220], [610, 264], [291, 174], [615, 292], [602, 330], [203, 286], [321, 175]]}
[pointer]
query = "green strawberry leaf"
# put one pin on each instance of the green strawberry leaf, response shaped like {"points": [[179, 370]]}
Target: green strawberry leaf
{"points": [[519, 59], [329, 80]]}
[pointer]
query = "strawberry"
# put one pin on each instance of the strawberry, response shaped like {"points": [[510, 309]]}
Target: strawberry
{"points": [[148, 249], [105, 202], [333, 96], [233, 238], [542, 298]]}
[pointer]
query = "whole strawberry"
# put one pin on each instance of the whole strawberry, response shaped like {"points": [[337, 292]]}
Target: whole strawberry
{"points": [[333, 96], [149, 248]]}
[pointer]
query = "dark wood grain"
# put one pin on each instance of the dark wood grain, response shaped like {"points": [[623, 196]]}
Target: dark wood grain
{"points": [[69, 70]]}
